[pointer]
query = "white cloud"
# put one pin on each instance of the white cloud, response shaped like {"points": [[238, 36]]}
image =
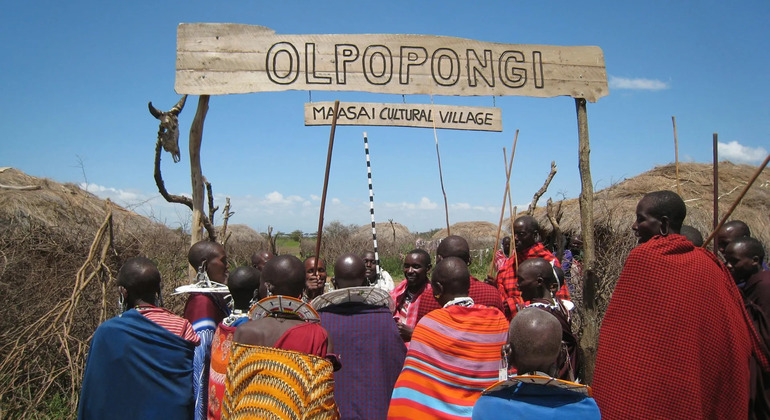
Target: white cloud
{"points": [[426, 204], [336, 201], [637, 84], [736, 152]]}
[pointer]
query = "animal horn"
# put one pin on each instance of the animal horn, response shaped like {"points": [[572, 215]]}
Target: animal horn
{"points": [[155, 113], [179, 105]]}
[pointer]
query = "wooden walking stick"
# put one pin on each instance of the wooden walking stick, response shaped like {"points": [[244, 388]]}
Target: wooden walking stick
{"points": [[326, 184], [735, 204], [440, 175], [676, 158], [716, 187], [502, 211]]}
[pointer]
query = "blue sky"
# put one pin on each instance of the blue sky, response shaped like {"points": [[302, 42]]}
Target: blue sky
{"points": [[76, 78]]}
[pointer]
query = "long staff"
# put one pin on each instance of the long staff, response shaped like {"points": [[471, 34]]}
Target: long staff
{"points": [[676, 157], [326, 184], [716, 188], [440, 175], [371, 206], [502, 211], [737, 201]]}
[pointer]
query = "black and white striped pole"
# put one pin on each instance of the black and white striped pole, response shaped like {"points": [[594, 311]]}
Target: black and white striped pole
{"points": [[371, 207]]}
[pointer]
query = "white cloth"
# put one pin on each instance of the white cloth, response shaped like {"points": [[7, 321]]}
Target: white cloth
{"points": [[385, 282]]}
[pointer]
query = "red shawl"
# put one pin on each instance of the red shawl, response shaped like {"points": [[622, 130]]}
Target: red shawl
{"points": [[676, 341]]}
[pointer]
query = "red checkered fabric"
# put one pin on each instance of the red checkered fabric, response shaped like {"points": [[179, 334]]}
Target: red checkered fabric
{"points": [[676, 341], [480, 292], [508, 283]]}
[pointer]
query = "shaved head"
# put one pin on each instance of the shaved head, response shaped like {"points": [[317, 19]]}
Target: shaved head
{"points": [[667, 204], [731, 231], [349, 271], [692, 234], [454, 246], [242, 283], [260, 258], [203, 251], [284, 275], [141, 279], [450, 279], [535, 339]]}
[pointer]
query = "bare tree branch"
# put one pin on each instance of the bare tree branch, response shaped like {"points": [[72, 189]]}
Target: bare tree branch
{"points": [[542, 190], [226, 213], [552, 213], [162, 186], [212, 209]]}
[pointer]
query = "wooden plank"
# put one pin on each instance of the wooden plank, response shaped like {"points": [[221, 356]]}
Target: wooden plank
{"points": [[406, 115], [224, 58]]}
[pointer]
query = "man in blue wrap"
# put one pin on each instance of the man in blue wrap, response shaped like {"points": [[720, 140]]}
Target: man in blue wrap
{"points": [[140, 363]]}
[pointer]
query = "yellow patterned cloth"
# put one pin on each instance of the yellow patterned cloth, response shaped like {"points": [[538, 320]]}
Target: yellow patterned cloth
{"points": [[270, 383]]}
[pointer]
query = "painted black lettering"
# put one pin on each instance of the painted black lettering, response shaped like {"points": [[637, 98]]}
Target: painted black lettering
{"points": [[277, 71], [344, 54], [511, 75], [476, 68], [537, 69], [441, 59], [382, 72], [410, 56], [311, 77]]}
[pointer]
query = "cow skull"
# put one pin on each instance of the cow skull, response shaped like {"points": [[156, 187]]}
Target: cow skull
{"points": [[168, 130]]}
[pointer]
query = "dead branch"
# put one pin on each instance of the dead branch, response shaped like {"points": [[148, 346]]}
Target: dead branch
{"points": [[552, 214], [542, 190], [210, 194], [226, 213], [271, 240], [20, 187], [162, 186]]}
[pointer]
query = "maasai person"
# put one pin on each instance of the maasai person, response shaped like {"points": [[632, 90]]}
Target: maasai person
{"points": [[480, 292], [315, 279], [525, 231], [658, 356], [381, 280], [729, 232], [243, 283], [260, 258], [146, 351], [278, 366], [537, 282], [454, 353], [408, 294], [571, 267], [744, 257], [502, 254], [692, 234], [367, 340], [534, 343], [205, 311]]}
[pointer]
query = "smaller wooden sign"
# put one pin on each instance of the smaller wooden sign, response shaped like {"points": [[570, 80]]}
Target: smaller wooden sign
{"points": [[406, 115]]}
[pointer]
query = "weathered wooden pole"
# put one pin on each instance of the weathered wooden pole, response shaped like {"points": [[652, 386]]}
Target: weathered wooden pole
{"points": [[508, 170], [196, 175], [589, 338], [326, 184], [715, 220], [729, 212], [676, 157]]}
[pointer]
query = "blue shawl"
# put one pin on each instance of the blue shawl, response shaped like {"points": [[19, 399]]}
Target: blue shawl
{"points": [[137, 369]]}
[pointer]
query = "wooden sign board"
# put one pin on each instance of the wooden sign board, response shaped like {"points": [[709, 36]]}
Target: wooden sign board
{"points": [[225, 58], [405, 115]]}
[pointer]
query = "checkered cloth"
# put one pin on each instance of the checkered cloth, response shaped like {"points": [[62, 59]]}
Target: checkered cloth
{"points": [[676, 341], [399, 297], [480, 292], [508, 283], [372, 354]]}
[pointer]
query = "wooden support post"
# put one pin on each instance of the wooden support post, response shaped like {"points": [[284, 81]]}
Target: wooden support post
{"points": [[196, 175], [326, 184], [676, 157], [715, 220], [589, 337]]}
